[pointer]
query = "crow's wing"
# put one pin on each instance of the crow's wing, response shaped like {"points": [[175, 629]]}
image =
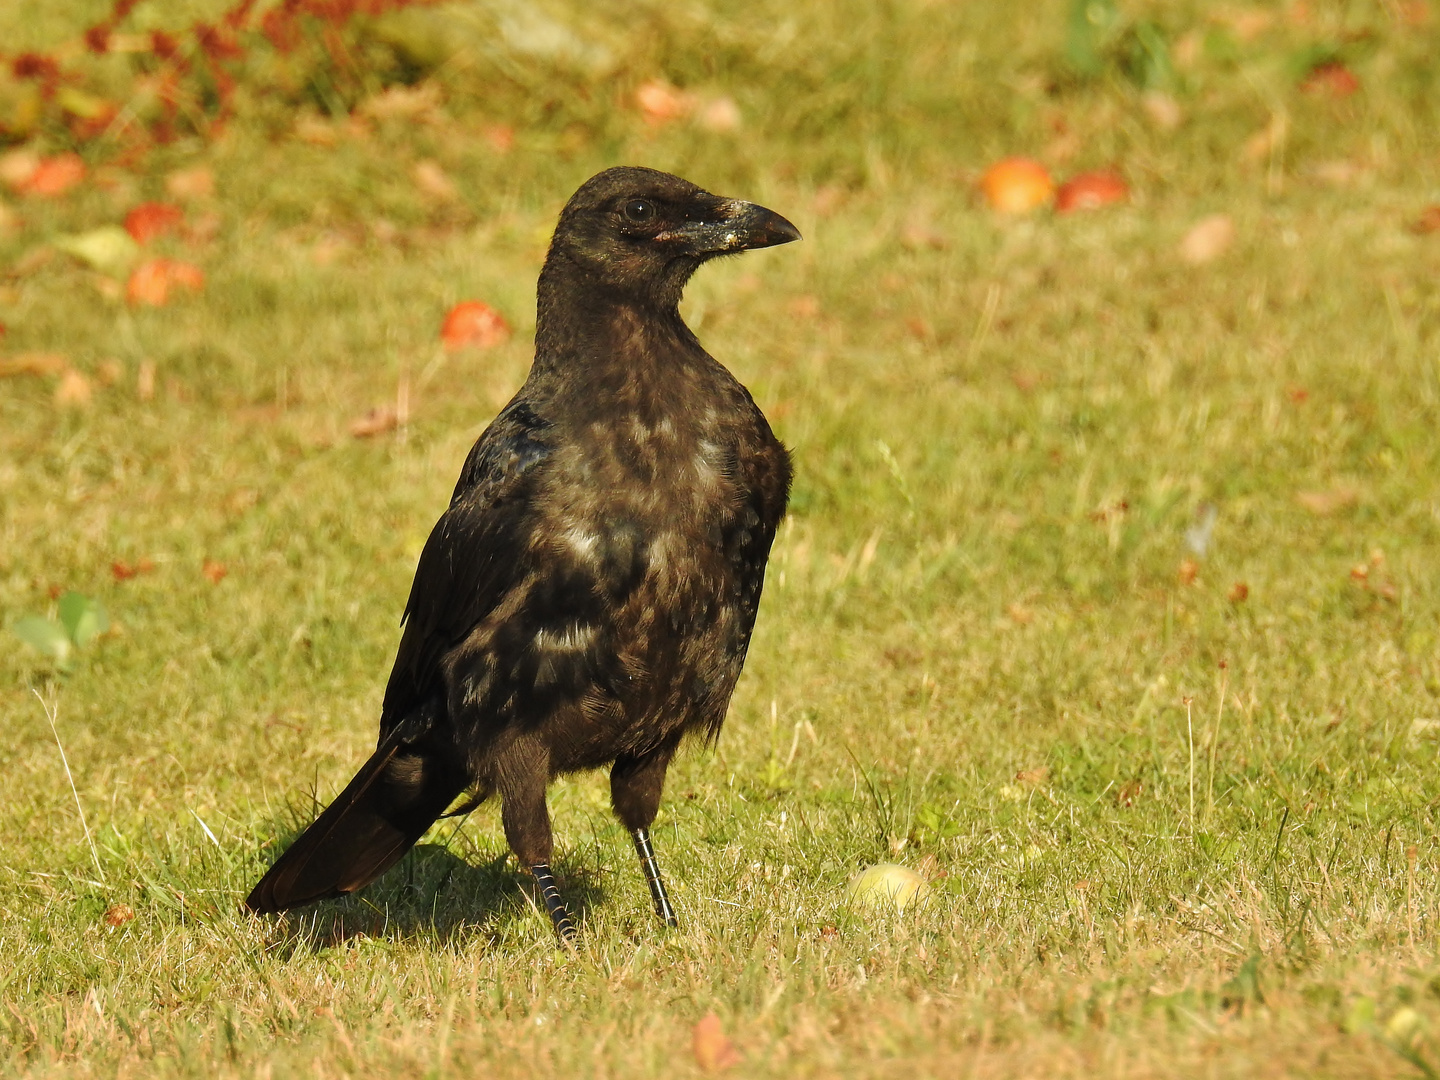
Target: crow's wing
{"points": [[472, 558]]}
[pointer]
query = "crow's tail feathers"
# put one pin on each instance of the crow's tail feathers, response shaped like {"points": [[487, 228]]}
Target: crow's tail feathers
{"points": [[398, 794]]}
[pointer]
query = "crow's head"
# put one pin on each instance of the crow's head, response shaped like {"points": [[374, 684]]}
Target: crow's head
{"points": [[640, 233]]}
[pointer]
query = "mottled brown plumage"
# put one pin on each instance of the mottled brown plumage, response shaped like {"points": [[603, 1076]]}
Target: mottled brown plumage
{"points": [[588, 597]]}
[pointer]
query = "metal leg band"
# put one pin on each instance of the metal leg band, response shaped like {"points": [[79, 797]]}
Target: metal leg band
{"points": [[646, 852], [550, 893]]}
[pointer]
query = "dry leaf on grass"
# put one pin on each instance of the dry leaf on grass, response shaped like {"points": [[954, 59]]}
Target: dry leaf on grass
{"points": [[1035, 777], [121, 570], [1208, 239], [1239, 593], [660, 103], [1328, 502], [473, 324], [153, 219], [1163, 110], [1428, 221], [432, 180], [145, 380], [1189, 571], [153, 281], [377, 421], [402, 102], [17, 167], [74, 389], [34, 363], [1333, 78], [196, 182], [713, 1051], [722, 114], [54, 176], [214, 572], [117, 915], [501, 137]]}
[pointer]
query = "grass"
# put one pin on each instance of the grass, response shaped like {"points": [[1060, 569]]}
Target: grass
{"points": [[1171, 830]]}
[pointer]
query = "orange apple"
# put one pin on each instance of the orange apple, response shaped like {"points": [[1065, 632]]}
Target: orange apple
{"points": [[1017, 185]]}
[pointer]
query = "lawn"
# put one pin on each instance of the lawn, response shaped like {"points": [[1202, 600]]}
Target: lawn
{"points": [[1109, 598]]}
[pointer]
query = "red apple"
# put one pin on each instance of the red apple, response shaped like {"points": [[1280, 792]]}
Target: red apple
{"points": [[1091, 190]]}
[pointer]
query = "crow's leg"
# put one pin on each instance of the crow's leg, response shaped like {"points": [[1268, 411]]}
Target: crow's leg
{"points": [[635, 787], [522, 772]]}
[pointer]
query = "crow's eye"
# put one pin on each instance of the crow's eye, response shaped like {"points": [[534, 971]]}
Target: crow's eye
{"points": [[640, 210]]}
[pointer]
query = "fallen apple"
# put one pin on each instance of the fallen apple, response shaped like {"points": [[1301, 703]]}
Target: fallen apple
{"points": [[886, 885], [1017, 185], [1091, 190]]}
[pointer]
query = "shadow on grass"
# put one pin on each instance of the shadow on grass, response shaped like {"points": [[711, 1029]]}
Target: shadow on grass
{"points": [[433, 893]]}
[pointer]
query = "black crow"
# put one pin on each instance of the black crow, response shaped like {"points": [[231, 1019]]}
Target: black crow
{"points": [[588, 597]]}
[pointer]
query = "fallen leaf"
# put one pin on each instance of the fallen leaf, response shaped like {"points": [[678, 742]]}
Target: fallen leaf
{"points": [[35, 363], [117, 915], [472, 324], [152, 281], [1090, 191], [1189, 571], [1414, 12], [431, 179], [110, 371], [153, 219], [17, 167], [1327, 502], [501, 137], [1017, 185], [1208, 239], [1428, 221], [1332, 78], [1020, 615], [315, 130], [214, 572], [1129, 793], [660, 103], [109, 249], [1338, 173], [918, 233], [121, 570], [401, 102], [713, 1051], [377, 421], [196, 182], [1034, 777], [805, 307], [1164, 111], [721, 114], [54, 176], [1268, 139], [74, 389], [145, 380], [1239, 593]]}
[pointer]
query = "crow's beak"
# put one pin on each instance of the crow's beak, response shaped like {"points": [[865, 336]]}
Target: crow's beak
{"points": [[734, 226]]}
